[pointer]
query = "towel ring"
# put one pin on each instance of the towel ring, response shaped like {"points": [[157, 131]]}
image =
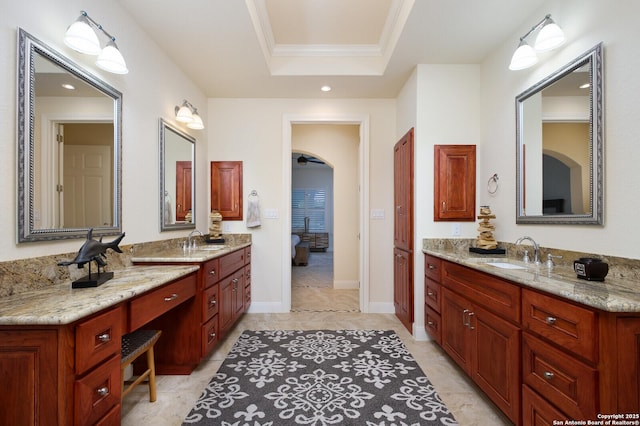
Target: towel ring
{"points": [[253, 193], [492, 184]]}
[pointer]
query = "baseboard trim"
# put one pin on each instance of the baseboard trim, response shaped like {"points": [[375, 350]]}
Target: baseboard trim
{"points": [[381, 308], [346, 285]]}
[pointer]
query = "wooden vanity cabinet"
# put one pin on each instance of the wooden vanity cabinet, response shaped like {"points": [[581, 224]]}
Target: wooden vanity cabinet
{"points": [[432, 298], [65, 375]]}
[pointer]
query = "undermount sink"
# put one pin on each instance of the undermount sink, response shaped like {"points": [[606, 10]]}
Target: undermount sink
{"points": [[505, 265]]}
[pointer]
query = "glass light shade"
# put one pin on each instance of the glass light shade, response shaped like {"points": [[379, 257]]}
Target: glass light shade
{"points": [[81, 37], [549, 37], [111, 59], [184, 114], [523, 57], [197, 123]]}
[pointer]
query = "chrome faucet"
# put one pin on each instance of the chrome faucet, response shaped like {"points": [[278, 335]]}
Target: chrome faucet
{"points": [[536, 249], [192, 243]]}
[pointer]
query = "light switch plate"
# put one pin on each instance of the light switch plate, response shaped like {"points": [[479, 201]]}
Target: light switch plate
{"points": [[377, 213], [271, 213]]}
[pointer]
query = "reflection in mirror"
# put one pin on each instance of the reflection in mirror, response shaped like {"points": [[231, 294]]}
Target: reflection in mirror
{"points": [[560, 145], [68, 148], [177, 178]]}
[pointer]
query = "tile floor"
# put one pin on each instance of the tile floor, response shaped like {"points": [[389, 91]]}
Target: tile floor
{"points": [[315, 305]]}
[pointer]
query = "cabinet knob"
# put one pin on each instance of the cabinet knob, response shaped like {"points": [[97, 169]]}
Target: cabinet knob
{"points": [[103, 391], [429, 293], [548, 375], [212, 272], [431, 266], [170, 298], [430, 323], [212, 302], [212, 335], [104, 337], [550, 320]]}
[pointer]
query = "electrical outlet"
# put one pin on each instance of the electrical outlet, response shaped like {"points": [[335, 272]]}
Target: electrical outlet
{"points": [[226, 227], [455, 229]]}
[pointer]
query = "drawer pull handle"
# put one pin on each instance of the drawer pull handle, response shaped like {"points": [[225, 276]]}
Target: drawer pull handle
{"points": [[429, 293], [464, 318], [170, 298], [470, 314], [550, 320], [104, 337], [212, 302], [548, 375], [103, 391], [431, 266], [430, 323], [212, 272], [212, 335]]}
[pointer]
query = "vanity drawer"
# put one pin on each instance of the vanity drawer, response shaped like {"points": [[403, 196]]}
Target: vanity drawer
{"points": [[432, 294], [211, 271], [492, 293], [231, 263], [560, 378], [569, 326], [97, 339], [209, 336], [432, 323], [98, 392], [210, 302], [156, 302], [432, 266]]}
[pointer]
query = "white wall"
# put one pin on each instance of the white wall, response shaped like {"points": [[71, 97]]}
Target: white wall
{"points": [[152, 88], [252, 130], [585, 23]]}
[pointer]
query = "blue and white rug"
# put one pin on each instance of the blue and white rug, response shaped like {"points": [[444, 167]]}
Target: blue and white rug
{"points": [[317, 378]]}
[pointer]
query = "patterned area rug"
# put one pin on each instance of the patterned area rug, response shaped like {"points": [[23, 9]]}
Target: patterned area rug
{"points": [[319, 377]]}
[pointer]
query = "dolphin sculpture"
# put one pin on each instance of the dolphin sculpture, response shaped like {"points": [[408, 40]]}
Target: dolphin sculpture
{"points": [[94, 250]]}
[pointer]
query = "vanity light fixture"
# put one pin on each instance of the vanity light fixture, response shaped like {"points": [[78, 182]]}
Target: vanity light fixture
{"points": [[325, 88], [549, 36], [82, 37], [187, 113]]}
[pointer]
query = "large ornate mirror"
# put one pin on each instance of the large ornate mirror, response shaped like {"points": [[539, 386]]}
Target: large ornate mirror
{"points": [[177, 178], [69, 141], [559, 123]]}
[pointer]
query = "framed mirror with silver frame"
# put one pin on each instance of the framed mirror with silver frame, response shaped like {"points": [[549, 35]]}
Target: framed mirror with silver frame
{"points": [[69, 148], [177, 178], [559, 145]]}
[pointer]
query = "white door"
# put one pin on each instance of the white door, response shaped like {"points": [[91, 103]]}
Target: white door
{"points": [[86, 188]]}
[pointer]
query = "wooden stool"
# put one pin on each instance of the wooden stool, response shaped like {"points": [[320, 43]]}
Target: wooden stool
{"points": [[135, 344]]}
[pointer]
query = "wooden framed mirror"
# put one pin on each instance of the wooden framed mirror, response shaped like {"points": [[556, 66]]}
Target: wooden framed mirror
{"points": [[69, 148], [559, 145], [177, 178]]}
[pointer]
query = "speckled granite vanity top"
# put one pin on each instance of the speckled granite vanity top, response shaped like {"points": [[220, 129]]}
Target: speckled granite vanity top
{"points": [[612, 295], [61, 304], [201, 254]]}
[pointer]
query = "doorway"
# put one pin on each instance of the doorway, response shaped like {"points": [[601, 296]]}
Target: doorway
{"points": [[355, 255]]}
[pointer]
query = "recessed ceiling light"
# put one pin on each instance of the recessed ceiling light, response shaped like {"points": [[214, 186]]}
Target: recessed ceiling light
{"points": [[325, 88], [68, 86]]}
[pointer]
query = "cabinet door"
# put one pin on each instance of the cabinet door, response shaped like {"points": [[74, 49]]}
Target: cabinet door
{"points": [[226, 303], [455, 331], [455, 182], [403, 192], [28, 368], [226, 189], [496, 359], [628, 365], [403, 287]]}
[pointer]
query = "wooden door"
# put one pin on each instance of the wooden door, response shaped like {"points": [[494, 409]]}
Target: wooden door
{"points": [[496, 355], [403, 287], [226, 189], [28, 367], [454, 183], [628, 374], [226, 303], [403, 192], [455, 332], [183, 189]]}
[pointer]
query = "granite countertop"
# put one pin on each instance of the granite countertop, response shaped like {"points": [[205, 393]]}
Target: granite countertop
{"points": [[203, 253], [612, 295], [61, 304]]}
